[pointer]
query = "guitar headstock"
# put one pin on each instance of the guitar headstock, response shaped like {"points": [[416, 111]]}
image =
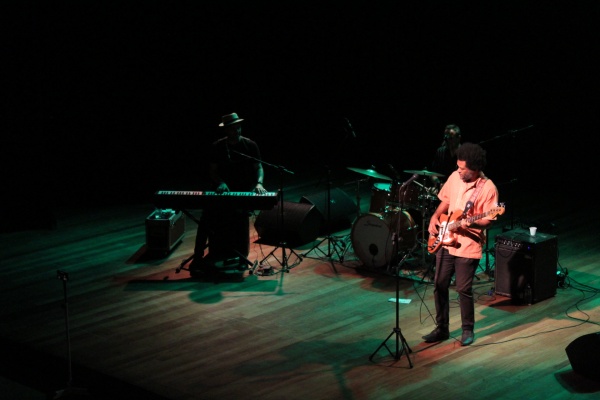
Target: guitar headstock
{"points": [[499, 209]]}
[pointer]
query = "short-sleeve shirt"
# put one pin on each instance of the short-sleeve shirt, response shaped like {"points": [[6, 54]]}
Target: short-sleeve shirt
{"points": [[457, 193]]}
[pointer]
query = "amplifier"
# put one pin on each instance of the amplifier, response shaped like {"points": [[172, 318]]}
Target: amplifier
{"points": [[526, 266], [164, 230]]}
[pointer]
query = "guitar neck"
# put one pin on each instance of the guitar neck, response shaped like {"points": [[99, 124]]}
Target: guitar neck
{"points": [[478, 216], [455, 223]]}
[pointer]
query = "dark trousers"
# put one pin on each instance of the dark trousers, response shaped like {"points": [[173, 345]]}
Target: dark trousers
{"points": [[464, 270], [226, 233]]}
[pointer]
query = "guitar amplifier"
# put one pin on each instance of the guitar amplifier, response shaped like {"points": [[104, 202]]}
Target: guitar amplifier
{"points": [[164, 230], [526, 266]]}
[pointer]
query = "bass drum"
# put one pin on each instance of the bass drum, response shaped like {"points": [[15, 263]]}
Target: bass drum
{"points": [[374, 237]]}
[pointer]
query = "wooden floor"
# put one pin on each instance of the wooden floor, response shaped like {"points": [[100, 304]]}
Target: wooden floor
{"points": [[322, 327]]}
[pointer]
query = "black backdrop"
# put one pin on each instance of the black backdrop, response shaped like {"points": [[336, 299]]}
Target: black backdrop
{"points": [[109, 101]]}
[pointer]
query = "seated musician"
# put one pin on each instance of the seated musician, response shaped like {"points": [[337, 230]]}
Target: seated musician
{"points": [[444, 161], [233, 167]]}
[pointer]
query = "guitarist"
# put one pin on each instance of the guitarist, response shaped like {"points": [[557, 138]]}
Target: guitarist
{"points": [[461, 256]]}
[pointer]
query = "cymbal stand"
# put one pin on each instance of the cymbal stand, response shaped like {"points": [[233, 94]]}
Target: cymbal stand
{"points": [[333, 242], [358, 196], [423, 243], [396, 330], [283, 261]]}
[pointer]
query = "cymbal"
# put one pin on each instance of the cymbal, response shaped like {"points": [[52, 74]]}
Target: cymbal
{"points": [[370, 172], [423, 172]]}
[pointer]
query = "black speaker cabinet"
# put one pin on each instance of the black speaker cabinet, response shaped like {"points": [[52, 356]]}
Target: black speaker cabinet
{"points": [[584, 353], [300, 224], [342, 209], [526, 265]]}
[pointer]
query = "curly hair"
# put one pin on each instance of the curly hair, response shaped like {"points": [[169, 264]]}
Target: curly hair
{"points": [[473, 154]]}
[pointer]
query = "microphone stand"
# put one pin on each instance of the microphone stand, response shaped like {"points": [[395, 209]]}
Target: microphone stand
{"points": [[70, 389], [512, 133], [396, 330], [333, 244], [283, 262]]}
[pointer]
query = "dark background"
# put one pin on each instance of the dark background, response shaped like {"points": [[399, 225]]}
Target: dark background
{"points": [[106, 102]]}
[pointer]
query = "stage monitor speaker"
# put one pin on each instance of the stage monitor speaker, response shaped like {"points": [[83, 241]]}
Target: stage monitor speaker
{"points": [[342, 209], [300, 224], [584, 353], [526, 266], [165, 229]]}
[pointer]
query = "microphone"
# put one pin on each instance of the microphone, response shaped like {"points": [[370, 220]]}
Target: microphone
{"points": [[351, 129], [412, 178], [393, 170]]}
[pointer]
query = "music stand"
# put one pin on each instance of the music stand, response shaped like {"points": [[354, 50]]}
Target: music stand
{"points": [[333, 242]]}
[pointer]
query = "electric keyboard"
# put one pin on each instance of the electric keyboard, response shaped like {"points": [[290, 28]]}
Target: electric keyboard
{"points": [[199, 199]]}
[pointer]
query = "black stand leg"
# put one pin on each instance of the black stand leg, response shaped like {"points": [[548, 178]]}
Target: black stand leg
{"points": [[70, 390], [396, 330], [489, 271], [335, 245], [250, 264], [284, 260]]}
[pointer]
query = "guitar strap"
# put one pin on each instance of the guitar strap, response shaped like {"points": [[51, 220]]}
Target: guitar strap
{"points": [[471, 201]]}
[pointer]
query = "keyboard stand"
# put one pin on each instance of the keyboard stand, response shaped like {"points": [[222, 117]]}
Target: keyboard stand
{"points": [[251, 265]]}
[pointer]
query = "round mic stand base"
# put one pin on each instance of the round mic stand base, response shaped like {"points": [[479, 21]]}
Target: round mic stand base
{"points": [[69, 390]]}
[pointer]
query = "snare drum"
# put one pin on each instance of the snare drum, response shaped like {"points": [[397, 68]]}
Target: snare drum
{"points": [[374, 236]]}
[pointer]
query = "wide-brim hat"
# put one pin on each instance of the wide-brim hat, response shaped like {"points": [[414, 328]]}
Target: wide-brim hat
{"points": [[230, 119]]}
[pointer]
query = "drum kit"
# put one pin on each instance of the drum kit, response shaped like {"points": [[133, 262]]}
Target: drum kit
{"points": [[388, 233]]}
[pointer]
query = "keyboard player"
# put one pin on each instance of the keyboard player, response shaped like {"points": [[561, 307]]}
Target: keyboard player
{"points": [[233, 166]]}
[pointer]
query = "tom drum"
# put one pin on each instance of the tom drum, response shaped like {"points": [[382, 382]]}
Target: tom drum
{"points": [[380, 196], [377, 238]]}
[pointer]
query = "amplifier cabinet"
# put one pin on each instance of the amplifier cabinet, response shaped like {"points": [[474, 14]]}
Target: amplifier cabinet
{"points": [[526, 266], [164, 230]]}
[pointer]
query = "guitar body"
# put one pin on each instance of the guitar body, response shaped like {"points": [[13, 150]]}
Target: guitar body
{"points": [[446, 235]]}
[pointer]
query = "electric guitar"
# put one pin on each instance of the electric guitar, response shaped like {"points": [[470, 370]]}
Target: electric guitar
{"points": [[446, 235]]}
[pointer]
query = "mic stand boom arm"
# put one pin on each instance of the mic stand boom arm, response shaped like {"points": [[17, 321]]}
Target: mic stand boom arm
{"points": [[282, 243]]}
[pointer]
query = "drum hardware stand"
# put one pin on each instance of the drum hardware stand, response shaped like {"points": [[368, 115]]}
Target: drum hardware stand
{"points": [[398, 233], [358, 196], [396, 330], [69, 390], [488, 269], [333, 242], [424, 215]]}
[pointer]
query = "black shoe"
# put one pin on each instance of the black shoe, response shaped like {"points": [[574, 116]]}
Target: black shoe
{"points": [[467, 338], [437, 335]]}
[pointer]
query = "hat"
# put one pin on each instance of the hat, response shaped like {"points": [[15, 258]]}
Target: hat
{"points": [[230, 119]]}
